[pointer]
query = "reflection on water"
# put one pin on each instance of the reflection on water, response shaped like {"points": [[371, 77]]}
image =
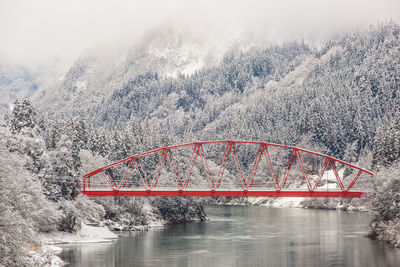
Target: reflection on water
{"points": [[246, 236]]}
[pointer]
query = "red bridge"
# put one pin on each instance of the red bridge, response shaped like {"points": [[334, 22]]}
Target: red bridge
{"points": [[228, 168]]}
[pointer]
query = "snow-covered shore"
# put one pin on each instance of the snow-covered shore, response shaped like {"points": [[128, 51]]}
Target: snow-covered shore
{"points": [[298, 202], [47, 255], [293, 202], [86, 234], [388, 231]]}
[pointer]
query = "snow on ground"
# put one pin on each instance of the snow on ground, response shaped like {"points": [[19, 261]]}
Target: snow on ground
{"points": [[330, 177], [47, 256], [100, 233], [280, 202], [86, 234], [288, 202]]}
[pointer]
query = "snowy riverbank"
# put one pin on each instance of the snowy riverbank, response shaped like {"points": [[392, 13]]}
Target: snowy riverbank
{"points": [[299, 202], [47, 254], [86, 234]]}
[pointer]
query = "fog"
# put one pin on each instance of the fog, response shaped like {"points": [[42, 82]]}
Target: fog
{"points": [[48, 31]]}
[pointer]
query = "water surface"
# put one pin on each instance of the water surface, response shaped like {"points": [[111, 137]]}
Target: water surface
{"points": [[246, 236]]}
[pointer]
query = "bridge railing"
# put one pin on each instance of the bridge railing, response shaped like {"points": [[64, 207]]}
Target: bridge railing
{"points": [[227, 166]]}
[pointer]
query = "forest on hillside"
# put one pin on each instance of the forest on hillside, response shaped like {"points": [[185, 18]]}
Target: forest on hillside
{"points": [[336, 98]]}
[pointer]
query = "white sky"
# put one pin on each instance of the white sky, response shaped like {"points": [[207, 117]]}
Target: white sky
{"points": [[34, 32]]}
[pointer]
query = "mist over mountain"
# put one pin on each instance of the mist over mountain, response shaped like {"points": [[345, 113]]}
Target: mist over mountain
{"points": [[15, 82], [334, 96], [164, 50]]}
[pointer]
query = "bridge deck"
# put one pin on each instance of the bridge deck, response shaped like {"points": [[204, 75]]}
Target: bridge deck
{"points": [[222, 193]]}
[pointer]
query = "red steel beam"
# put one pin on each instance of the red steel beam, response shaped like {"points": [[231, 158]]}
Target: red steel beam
{"points": [[238, 167], [220, 142], [322, 173], [140, 171], [191, 164], [255, 165], [289, 166], [173, 168], [354, 180], [212, 193], [127, 173], [271, 168], [224, 163], [206, 169], [230, 148], [159, 167]]}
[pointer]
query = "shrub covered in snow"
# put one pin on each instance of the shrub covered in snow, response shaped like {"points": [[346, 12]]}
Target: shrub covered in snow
{"points": [[385, 203]]}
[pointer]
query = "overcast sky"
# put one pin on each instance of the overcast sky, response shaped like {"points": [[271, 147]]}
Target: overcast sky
{"points": [[38, 31]]}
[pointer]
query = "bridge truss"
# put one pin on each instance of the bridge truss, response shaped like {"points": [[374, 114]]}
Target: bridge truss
{"points": [[228, 168]]}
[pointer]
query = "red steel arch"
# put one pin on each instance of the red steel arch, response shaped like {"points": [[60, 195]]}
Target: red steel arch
{"points": [[107, 181]]}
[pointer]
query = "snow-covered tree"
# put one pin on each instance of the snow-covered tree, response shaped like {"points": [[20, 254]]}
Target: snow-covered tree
{"points": [[24, 209], [22, 116]]}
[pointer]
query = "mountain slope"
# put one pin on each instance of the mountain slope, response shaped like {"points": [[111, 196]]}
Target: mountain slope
{"points": [[335, 96], [96, 75]]}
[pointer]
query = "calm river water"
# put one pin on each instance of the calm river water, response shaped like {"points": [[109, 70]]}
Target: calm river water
{"points": [[245, 236]]}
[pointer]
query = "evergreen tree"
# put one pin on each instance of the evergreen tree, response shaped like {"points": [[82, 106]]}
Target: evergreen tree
{"points": [[22, 116]]}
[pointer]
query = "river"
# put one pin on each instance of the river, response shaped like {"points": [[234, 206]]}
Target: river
{"points": [[245, 236]]}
